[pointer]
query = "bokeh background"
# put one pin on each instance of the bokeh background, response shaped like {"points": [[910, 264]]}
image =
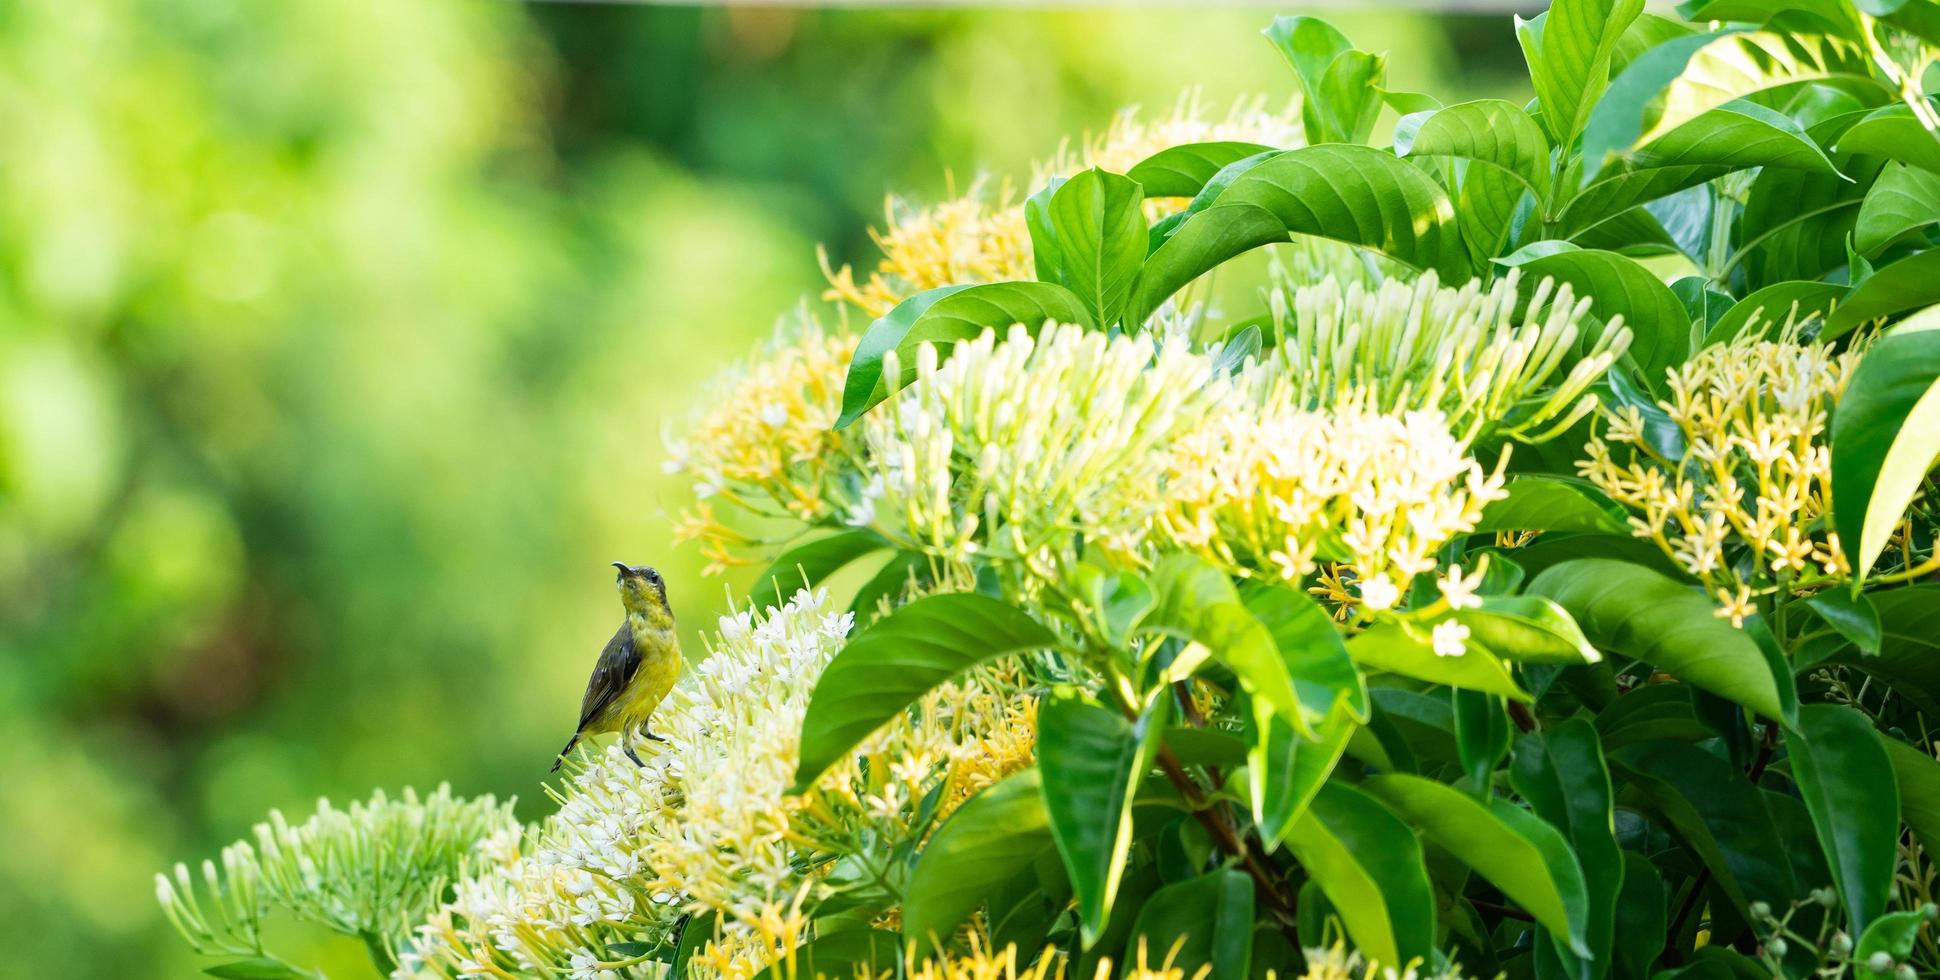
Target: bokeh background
{"points": [[338, 339]]}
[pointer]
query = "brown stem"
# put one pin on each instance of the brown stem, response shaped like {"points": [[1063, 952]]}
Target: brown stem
{"points": [[1508, 910], [1522, 716], [1224, 835]]}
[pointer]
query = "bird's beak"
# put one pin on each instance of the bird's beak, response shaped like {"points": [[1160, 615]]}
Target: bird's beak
{"points": [[625, 571]]}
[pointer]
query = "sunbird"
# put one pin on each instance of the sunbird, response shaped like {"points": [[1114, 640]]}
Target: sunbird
{"points": [[637, 668]]}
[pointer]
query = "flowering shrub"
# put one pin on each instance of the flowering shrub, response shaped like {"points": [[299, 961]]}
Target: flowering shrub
{"points": [[1482, 603]]}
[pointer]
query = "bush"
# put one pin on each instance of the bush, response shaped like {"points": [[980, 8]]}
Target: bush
{"points": [[1481, 603]]}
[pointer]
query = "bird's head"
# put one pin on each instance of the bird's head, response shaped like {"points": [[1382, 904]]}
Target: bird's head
{"points": [[641, 588]]}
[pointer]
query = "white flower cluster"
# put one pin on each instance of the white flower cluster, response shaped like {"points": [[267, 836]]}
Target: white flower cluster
{"points": [[1484, 358], [1013, 449], [707, 824], [1277, 489]]}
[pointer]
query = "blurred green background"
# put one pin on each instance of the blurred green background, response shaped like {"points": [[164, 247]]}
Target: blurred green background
{"points": [[338, 339]]}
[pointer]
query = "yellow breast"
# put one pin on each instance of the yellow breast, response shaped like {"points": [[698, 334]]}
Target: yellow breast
{"points": [[659, 668]]}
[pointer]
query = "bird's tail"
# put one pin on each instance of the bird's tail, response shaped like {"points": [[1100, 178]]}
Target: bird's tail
{"points": [[563, 752]]}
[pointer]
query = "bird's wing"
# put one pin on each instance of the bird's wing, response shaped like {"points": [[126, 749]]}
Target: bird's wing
{"points": [[615, 669]]}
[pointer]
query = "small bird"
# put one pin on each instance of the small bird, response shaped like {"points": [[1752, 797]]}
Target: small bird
{"points": [[637, 668]]}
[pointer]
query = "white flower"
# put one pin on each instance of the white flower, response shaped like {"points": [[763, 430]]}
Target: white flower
{"points": [[1380, 592], [1451, 639], [1459, 592]]}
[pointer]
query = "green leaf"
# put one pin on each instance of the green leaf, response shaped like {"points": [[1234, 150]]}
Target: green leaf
{"points": [[1909, 653], [1764, 310], [1370, 866], [1091, 759], [254, 968], [807, 564], [1903, 200], [1660, 327], [1917, 774], [1892, 934], [1641, 613], [1642, 919], [1491, 131], [1885, 432], [1852, 616], [1285, 770], [1210, 918], [1562, 774], [1482, 733], [1909, 284], [942, 316], [1735, 136], [1341, 85], [1408, 651], [1183, 170], [1310, 645], [1577, 39], [1846, 778], [1353, 194], [1099, 238], [1893, 133], [1718, 813], [1514, 849], [1197, 602], [892, 664], [1527, 629], [1552, 503], [1685, 77], [995, 835]]}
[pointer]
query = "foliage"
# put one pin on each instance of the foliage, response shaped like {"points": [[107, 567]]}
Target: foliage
{"points": [[1568, 622]]}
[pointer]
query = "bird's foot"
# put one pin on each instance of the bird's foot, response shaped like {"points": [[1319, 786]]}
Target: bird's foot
{"points": [[628, 749], [652, 737]]}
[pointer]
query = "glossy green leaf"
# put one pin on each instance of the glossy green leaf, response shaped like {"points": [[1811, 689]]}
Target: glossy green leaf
{"points": [[1893, 934], [1683, 78], [1208, 919], [1524, 857], [1578, 39], [1642, 918], [1909, 653], [1370, 866], [1409, 651], [1908, 284], [1886, 431], [1353, 194], [1527, 629], [1490, 131], [1735, 136], [1903, 200], [1348, 98], [1550, 503], [1285, 770], [1851, 616], [995, 835], [1717, 812], [1846, 778], [1917, 774], [1893, 133], [805, 565], [1183, 170], [1562, 773], [1641, 613], [1482, 733], [1660, 327], [1766, 310], [1197, 602], [1310, 644], [942, 316], [892, 664], [1099, 231], [1091, 759]]}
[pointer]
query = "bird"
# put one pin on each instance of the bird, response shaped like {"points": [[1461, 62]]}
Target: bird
{"points": [[637, 668]]}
